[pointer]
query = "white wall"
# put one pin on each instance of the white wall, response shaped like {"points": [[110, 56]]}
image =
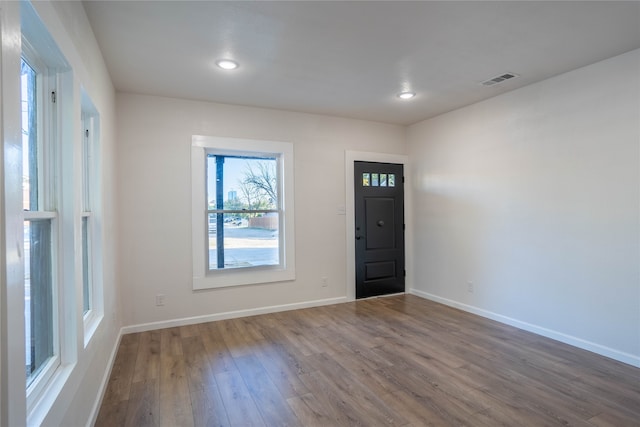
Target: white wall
{"points": [[74, 402], [534, 196], [154, 191], [68, 24]]}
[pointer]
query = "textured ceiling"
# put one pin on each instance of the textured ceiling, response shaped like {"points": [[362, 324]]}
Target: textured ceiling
{"points": [[350, 59]]}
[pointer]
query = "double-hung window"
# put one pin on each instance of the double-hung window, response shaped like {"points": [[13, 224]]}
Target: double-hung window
{"points": [[242, 211], [90, 241], [40, 219], [85, 214]]}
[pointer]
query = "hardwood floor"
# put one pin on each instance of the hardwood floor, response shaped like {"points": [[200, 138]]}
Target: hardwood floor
{"points": [[400, 360]]}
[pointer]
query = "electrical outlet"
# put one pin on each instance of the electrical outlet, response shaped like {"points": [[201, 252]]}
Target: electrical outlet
{"points": [[324, 281], [470, 287], [160, 300]]}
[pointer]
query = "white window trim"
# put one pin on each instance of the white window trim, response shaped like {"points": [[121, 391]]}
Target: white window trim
{"points": [[202, 277]]}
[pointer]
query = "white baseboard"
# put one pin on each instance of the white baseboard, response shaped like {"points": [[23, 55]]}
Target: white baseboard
{"points": [[620, 356], [93, 415], [228, 315]]}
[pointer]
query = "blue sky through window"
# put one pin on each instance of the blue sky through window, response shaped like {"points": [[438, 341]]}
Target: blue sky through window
{"points": [[234, 173]]}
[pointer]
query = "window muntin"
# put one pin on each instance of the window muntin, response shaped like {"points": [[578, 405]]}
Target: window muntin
{"points": [[243, 211]]}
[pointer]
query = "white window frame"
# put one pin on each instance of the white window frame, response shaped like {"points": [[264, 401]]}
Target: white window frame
{"points": [[49, 187], [203, 278], [89, 208]]}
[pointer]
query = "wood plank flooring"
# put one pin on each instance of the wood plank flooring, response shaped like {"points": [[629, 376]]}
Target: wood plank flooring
{"points": [[401, 361]]}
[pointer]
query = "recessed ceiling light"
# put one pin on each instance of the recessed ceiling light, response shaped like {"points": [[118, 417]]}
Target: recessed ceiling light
{"points": [[406, 95], [227, 64]]}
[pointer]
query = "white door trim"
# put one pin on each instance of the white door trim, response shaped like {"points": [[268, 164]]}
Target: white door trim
{"points": [[364, 156]]}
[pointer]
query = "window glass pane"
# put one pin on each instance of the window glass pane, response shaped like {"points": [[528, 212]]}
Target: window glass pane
{"points": [[235, 183], [383, 180], [365, 179], [211, 181], [29, 138], [38, 296], [374, 179], [247, 240], [86, 175], [392, 180], [215, 256], [86, 283]]}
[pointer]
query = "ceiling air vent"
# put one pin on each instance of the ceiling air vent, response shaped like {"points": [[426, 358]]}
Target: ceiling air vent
{"points": [[499, 79]]}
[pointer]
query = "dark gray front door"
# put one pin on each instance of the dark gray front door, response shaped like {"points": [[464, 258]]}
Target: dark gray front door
{"points": [[379, 220]]}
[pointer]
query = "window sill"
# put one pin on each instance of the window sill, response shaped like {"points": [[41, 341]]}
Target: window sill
{"points": [[91, 322], [240, 277], [49, 394]]}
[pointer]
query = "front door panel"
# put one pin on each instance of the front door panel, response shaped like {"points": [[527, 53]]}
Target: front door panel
{"points": [[379, 218], [379, 213]]}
